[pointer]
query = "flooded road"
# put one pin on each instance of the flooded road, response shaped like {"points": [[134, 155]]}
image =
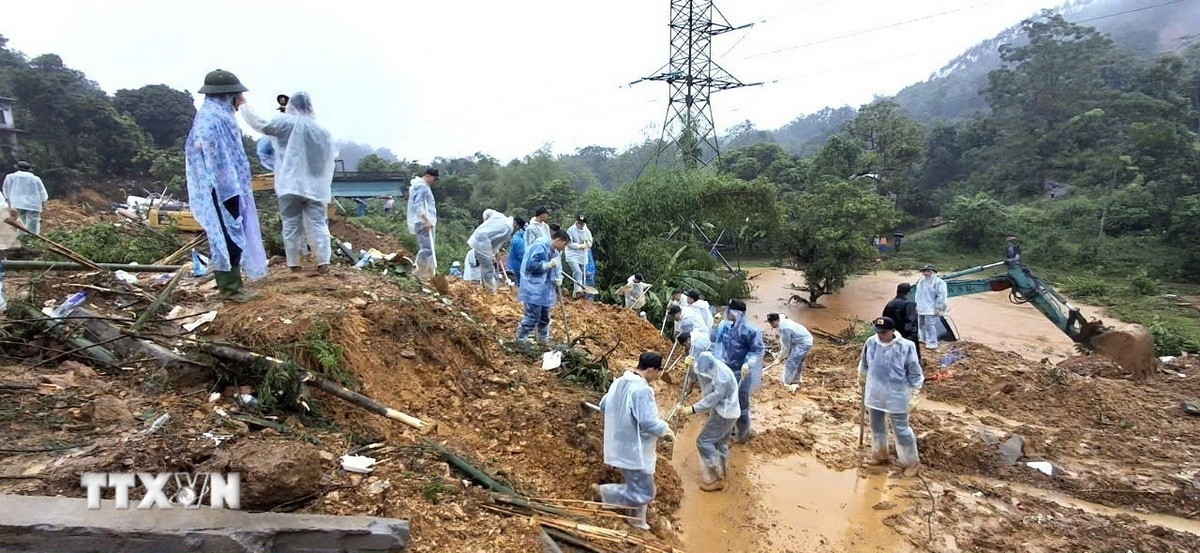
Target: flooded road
{"points": [[988, 319], [793, 502]]}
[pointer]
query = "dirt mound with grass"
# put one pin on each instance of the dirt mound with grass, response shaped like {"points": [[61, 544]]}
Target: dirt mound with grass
{"points": [[443, 359]]}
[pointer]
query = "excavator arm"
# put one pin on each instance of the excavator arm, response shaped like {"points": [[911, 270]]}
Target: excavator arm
{"points": [[1024, 287]]}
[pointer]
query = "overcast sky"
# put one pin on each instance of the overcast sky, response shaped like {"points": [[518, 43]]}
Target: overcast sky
{"points": [[455, 77]]}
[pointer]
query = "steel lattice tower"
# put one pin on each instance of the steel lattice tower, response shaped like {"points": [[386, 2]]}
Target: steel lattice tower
{"points": [[693, 76]]}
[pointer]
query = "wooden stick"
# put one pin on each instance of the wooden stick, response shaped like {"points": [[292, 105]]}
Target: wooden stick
{"points": [[158, 302], [62, 250], [170, 259], [322, 384]]}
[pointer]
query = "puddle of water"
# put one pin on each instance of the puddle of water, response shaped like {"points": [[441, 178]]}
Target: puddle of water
{"points": [[1178, 524], [802, 504], [988, 319], [819, 509]]}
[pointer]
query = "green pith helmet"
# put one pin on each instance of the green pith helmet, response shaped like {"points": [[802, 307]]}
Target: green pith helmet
{"points": [[221, 82]]}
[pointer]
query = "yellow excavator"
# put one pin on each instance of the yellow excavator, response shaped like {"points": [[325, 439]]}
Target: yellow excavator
{"points": [[1130, 346], [179, 216]]}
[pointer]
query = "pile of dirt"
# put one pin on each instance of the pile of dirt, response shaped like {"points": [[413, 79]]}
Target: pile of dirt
{"points": [[75, 212], [1097, 429], [434, 358], [363, 238]]}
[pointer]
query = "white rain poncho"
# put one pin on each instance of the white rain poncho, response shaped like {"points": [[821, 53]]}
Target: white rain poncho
{"points": [[692, 322], [631, 424], [892, 372], [487, 239], [420, 200], [304, 151], [704, 310], [931, 295], [577, 249], [635, 295], [718, 385], [792, 337], [25, 190]]}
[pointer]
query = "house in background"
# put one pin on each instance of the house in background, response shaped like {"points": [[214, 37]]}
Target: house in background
{"points": [[9, 150]]}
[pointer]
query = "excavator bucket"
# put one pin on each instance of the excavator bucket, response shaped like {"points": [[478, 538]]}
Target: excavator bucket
{"points": [[1131, 346]]}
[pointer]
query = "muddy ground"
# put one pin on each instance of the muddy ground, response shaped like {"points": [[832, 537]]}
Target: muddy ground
{"points": [[1126, 454], [1126, 477]]}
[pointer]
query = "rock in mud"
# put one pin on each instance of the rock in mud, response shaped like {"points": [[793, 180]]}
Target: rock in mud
{"points": [[884, 506], [106, 410], [1013, 449], [274, 472]]}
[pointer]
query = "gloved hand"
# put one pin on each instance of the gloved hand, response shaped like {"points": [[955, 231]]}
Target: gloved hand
{"points": [[688, 362], [914, 397], [687, 411], [745, 370], [669, 436], [552, 263], [558, 282]]}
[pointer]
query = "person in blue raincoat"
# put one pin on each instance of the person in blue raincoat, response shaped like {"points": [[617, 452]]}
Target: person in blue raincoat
{"points": [[516, 249], [541, 276], [892, 380], [218, 182], [589, 277], [742, 349]]}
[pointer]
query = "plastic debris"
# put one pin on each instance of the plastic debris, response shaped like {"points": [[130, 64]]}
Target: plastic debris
{"points": [[199, 268], [248, 400], [217, 438], [213, 397], [1044, 467], [203, 319], [551, 360], [952, 356], [69, 304], [125, 277], [157, 424], [357, 463]]}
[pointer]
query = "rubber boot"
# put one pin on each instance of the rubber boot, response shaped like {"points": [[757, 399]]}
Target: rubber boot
{"points": [[639, 518], [236, 292], [222, 278]]}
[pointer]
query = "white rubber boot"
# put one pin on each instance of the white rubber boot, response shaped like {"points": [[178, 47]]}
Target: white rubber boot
{"points": [[639, 518]]}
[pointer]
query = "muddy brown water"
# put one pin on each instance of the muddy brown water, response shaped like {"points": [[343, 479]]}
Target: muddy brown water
{"points": [[989, 319], [794, 502]]}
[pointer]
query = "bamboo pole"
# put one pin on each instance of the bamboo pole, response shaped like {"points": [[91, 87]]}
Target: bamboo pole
{"points": [[158, 302], [61, 249], [27, 265], [82, 346], [175, 257]]}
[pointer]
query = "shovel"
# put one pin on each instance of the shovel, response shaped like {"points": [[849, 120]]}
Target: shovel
{"points": [[586, 289]]}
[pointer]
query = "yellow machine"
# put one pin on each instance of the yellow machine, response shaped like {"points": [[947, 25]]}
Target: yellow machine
{"points": [[183, 220]]}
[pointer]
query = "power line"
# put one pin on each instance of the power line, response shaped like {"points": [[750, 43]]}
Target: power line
{"points": [[1130, 11], [880, 28]]}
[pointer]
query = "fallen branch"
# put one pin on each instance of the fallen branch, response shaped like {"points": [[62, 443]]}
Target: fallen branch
{"points": [[56, 247], [308, 378], [178, 255], [158, 302], [84, 346]]}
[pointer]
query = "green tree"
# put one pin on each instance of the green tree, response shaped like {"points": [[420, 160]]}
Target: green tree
{"points": [[837, 160], [163, 112], [975, 218], [828, 232], [894, 144]]}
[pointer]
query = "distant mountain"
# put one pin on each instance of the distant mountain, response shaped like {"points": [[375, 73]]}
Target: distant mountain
{"points": [[1145, 27], [953, 91]]}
